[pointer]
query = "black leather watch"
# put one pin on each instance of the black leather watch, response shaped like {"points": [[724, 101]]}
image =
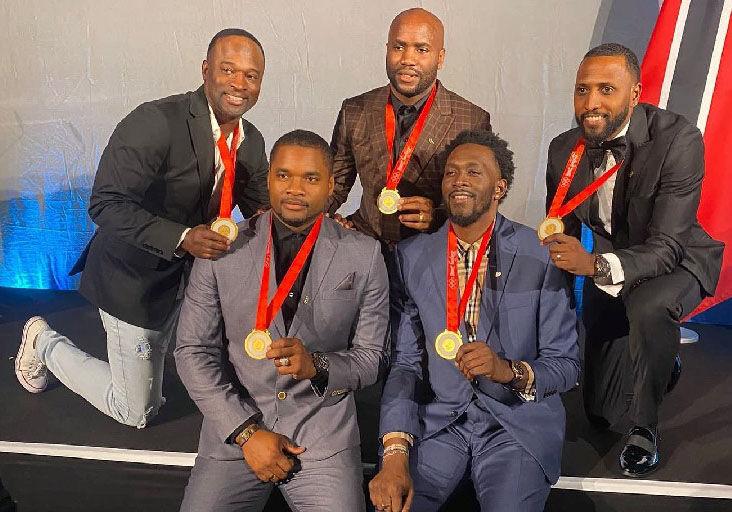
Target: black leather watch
{"points": [[602, 273]]}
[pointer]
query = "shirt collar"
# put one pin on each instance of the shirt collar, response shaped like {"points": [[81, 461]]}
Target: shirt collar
{"points": [[216, 129], [622, 132], [281, 231], [397, 104]]}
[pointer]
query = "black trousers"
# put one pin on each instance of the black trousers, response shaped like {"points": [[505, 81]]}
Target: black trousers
{"points": [[630, 345]]}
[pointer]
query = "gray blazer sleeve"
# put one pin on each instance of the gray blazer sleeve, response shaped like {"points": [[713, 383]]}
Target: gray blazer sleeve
{"points": [[360, 365], [200, 355]]}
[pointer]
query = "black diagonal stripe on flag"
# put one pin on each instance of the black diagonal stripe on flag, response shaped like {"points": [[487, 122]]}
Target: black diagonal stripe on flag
{"points": [[695, 53]]}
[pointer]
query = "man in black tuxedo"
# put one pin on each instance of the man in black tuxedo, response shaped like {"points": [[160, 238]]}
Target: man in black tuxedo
{"points": [[156, 191], [652, 263]]}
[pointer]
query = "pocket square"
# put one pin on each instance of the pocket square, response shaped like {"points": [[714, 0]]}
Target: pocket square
{"points": [[346, 283]]}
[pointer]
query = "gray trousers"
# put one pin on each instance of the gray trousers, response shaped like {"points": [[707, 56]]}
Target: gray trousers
{"points": [[333, 484]]}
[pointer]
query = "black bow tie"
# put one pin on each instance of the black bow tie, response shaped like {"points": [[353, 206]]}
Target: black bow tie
{"points": [[596, 154]]}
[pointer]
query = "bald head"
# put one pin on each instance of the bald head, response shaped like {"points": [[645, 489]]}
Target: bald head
{"points": [[414, 52], [420, 17]]}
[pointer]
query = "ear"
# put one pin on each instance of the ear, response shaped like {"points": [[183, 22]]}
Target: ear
{"points": [[500, 189], [441, 58], [204, 69], [636, 93]]}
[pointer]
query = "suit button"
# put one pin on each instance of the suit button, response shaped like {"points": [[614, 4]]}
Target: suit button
{"points": [[281, 395]]}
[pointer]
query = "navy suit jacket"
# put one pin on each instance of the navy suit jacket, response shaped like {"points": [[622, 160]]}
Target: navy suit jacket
{"points": [[525, 315]]}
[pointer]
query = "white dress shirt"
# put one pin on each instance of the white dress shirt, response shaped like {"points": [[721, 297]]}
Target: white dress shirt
{"points": [[605, 203]]}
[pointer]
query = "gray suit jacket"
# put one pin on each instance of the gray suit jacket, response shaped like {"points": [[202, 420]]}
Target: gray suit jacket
{"points": [[343, 311]]}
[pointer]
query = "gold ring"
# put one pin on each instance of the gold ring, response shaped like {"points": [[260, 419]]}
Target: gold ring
{"points": [[421, 217], [559, 256]]}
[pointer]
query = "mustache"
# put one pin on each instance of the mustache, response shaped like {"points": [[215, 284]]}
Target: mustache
{"points": [[409, 71], [463, 191], [297, 202]]}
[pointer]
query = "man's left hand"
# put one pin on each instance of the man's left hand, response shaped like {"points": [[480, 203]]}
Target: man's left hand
{"points": [[419, 214], [568, 254], [477, 359], [291, 351]]}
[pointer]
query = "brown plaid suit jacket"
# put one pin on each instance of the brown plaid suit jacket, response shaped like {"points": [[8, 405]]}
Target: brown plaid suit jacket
{"points": [[359, 145]]}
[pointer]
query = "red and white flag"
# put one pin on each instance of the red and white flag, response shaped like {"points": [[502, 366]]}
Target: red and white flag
{"points": [[687, 69]]}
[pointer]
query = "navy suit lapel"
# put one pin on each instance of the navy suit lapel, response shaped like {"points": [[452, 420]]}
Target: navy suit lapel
{"points": [[501, 257], [202, 137], [323, 254]]}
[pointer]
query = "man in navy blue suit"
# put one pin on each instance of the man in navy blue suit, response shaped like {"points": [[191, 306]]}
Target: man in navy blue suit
{"points": [[484, 340]]}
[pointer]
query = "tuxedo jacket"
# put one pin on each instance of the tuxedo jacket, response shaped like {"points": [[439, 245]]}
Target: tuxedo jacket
{"points": [[154, 180], [525, 315], [360, 148], [655, 199], [343, 312]]}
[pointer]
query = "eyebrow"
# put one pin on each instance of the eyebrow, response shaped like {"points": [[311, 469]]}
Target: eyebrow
{"points": [[405, 43]]}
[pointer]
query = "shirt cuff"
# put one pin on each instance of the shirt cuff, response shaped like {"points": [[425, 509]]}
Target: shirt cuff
{"points": [[398, 435], [179, 252], [616, 274]]}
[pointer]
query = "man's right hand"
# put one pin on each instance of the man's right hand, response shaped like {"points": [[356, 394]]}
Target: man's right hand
{"points": [[202, 242], [391, 489], [270, 455]]}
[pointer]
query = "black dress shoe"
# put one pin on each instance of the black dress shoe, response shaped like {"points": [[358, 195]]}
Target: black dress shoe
{"points": [[640, 454], [675, 375]]}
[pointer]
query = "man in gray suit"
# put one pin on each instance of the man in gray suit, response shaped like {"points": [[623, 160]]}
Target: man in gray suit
{"points": [[272, 363]]}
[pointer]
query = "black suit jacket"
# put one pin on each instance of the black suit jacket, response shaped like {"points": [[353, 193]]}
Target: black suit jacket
{"points": [[655, 199], [154, 180]]}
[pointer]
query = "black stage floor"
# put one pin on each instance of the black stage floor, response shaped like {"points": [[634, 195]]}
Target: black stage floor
{"points": [[147, 469]]}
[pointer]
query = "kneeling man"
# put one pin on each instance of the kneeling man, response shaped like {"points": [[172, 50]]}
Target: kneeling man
{"points": [[273, 339], [484, 340]]}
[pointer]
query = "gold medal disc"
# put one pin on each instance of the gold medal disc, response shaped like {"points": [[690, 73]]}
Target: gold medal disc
{"points": [[447, 344], [550, 226], [225, 227], [257, 343], [388, 201]]}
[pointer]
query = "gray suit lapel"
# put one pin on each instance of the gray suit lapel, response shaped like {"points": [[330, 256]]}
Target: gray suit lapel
{"points": [[323, 254], [256, 249], [501, 257], [202, 137]]}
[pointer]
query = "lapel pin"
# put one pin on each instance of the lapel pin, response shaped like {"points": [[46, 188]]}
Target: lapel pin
{"points": [[431, 141], [498, 274], [306, 299]]}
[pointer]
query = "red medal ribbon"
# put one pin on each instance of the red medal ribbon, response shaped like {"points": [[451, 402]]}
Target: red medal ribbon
{"points": [[394, 173], [455, 311], [228, 158], [559, 210], [265, 312]]}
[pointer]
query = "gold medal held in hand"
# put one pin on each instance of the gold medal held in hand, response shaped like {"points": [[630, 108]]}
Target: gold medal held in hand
{"points": [[257, 343], [550, 226], [388, 201], [225, 227], [447, 344]]}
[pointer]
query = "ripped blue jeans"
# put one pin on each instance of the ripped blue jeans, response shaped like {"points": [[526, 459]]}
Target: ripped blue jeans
{"points": [[129, 387]]}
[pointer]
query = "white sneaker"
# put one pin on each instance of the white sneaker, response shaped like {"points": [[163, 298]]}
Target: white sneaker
{"points": [[31, 372]]}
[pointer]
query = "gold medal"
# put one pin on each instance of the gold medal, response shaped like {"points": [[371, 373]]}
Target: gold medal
{"points": [[388, 201], [257, 343], [225, 227], [447, 344], [550, 226]]}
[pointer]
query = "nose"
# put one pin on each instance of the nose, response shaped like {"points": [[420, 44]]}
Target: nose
{"points": [[238, 81], [408, 57], [460, 179], [295, 187], [592, 101]]}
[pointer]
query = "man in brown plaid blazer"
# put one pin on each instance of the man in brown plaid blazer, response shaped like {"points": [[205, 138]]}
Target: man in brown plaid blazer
{"points": [[414, 53]]}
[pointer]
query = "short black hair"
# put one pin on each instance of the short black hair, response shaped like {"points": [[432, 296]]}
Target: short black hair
{"points": [[232, 32], [305, 139], [617, 50], [492, 141]]}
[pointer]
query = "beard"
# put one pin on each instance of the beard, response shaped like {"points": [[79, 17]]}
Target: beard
{"points": [[611, 126], [425, 81], [466, 218]]}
